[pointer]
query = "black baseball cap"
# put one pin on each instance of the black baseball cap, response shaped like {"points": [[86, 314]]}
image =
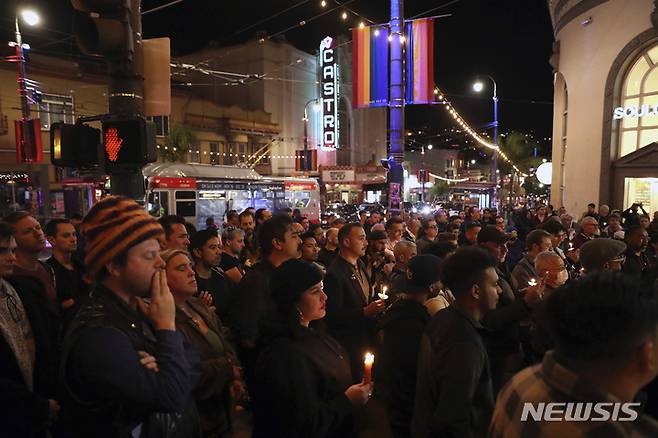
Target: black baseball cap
{"points": [[423, 271], [492, 234], [377, 235]]}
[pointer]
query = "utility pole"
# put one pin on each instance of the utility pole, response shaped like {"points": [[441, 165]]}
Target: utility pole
{"points": [[494, 176], [126, 98], [396, 108], [113, 29]]}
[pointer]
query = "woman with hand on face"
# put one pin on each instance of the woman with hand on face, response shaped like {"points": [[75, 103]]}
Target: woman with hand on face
{"points": [[219, 385], [302, 384]]}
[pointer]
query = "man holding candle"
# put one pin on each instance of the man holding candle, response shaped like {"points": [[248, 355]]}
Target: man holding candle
{"points": [[537, 241], [589, 227], [378, 267], [454, 395], [350, 309]]}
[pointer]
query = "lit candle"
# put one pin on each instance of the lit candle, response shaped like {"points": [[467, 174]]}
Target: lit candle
{"points": [[367, 367], [382, 294], [570, 246], [532, 282]]}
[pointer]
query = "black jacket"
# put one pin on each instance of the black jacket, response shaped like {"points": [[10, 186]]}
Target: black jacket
{"points": [[299, 386], [345, 319], [505, 337], [325, 257], [400, 331], [252, 303], [108, 393], [25, 413], [454, 397]]}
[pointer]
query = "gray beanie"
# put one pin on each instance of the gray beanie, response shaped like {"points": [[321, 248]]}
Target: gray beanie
{"points": [[595, 253]]}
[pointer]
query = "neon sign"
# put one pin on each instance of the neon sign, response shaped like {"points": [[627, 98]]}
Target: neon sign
{"points": [[329, 92]]}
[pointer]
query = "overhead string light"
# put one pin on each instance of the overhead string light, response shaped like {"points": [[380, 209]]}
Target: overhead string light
{"points": [[448, 180], [243, 156], [466, 128], [236, 155]]}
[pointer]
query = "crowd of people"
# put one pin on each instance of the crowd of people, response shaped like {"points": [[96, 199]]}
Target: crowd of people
{"points": [[268, 323]]}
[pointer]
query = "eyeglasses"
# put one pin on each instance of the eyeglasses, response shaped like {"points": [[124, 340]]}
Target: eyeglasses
{"points": [[12, 306], [563, 268]]}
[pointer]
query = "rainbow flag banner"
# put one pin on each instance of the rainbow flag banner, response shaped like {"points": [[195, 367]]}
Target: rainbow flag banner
{"points": [[370, 66], [420, 61]]}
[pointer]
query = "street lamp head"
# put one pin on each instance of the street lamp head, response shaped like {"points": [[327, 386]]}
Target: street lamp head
{"points": [[478, 86], [30, 16], [472, 161], [429, 147]]}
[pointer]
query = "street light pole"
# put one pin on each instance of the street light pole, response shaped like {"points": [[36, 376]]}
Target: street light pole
{"points": [[422, 173], [494, 168], [494, 177], [396, 108], [22, 87]]}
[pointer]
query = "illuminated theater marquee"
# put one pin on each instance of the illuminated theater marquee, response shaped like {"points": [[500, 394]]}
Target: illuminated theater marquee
{"points": [[329, 91]]}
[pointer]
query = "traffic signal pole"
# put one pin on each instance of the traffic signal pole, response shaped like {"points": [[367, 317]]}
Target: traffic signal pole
{"points": [[126, 99]]}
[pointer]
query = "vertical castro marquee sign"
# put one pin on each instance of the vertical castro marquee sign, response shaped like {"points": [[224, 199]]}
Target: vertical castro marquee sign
{"points": [[329, 92]]}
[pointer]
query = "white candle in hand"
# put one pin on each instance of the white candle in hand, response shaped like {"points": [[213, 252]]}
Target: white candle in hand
{"points": [[382, 294], [367, 367]]}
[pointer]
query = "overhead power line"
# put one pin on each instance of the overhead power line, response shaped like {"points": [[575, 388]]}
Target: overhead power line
{"points": [[271, 17]]}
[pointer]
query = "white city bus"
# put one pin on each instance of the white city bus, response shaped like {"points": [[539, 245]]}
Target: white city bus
{"points": [[199, 191]]}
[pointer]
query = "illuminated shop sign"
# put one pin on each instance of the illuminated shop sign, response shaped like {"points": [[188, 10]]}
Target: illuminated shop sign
{"points": [[329, 93], [634, 111]]}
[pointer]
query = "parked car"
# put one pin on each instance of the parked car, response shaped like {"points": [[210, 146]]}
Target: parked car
{"points": [[422, 208], [372, 207], [339, 209]]}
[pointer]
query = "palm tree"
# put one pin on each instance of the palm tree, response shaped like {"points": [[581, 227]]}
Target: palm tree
{"points": [[439, 189], [180, 139]]}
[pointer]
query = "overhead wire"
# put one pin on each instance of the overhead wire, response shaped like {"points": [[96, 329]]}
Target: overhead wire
{"points": [[308, 20], [266, 19]]}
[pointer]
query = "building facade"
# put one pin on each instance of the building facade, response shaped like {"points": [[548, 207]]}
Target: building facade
{"points": [[285, 81], [223, 135], [605, 123]]}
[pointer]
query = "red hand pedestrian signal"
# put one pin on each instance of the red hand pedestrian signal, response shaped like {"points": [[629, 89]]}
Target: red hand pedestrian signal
{"points": [[113, 144], [128, 144]]}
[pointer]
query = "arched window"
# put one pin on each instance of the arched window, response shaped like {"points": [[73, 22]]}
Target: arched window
{"points": [[639, 104]]}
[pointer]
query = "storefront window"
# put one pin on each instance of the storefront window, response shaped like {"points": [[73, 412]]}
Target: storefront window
{"points": [[644, 190], [640, 92], [54, 108]]}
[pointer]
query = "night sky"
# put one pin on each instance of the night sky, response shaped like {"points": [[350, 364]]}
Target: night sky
{"points": [[509, 39]]}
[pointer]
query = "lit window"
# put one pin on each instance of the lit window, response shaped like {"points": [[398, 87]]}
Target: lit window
{"points": [[640, 88], [161, 125], [54, 108]]}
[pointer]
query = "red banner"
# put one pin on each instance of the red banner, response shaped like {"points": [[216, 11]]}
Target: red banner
{"points": [[160, 182]]}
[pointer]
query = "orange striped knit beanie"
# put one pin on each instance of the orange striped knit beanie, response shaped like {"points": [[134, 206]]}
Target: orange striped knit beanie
{"points": [[113, 226]]}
